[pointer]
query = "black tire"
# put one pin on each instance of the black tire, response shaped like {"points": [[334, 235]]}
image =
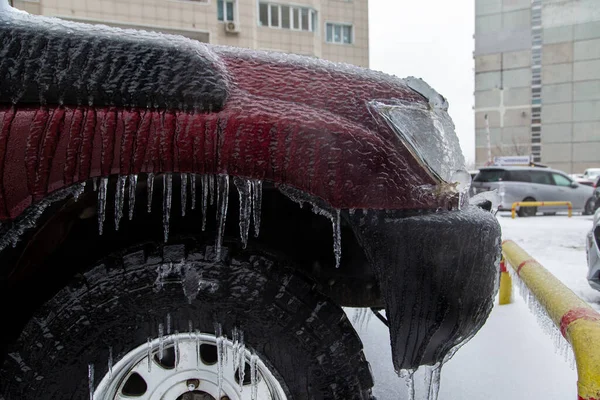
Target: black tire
{"points": [[527, 211], [119, 302], [589, 207]]}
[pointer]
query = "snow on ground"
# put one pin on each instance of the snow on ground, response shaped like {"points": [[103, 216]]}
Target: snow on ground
{"points": [[511, 357]]}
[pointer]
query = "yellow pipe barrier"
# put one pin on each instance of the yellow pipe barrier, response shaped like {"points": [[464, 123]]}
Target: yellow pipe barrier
{"points": [[576, 320], [505, 292], [516, 204]]}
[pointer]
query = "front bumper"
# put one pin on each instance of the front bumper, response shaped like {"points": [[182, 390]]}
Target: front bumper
{"points": [[438, 275]]}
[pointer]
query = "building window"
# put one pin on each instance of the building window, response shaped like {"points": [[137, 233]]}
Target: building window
{"points": [[226, 10], [339, 33], [287, 17]]}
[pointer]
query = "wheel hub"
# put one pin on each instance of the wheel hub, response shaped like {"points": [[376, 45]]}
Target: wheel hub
{"points": [[189, 366]]}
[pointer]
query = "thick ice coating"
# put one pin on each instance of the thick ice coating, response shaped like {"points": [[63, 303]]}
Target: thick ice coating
{"points": [[101, 101], [79, 64]]}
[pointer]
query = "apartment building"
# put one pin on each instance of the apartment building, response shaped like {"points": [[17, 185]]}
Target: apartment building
{"points": [[537, 79], [336, 30]]}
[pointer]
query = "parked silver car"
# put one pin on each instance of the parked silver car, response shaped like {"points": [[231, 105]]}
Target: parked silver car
{"points": [[533, 184], [593, 253]]}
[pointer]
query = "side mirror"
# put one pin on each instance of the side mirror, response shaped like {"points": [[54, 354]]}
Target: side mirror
{"points": [[574, 185]]}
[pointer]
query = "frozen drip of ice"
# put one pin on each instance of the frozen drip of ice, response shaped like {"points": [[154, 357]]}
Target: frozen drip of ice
{"points": [[205, 182], [423, 383], [254, 376], [150, 184], [133, 178], [184, 182], [119, 200], [193, 190], [223, 201], [244, 187], [167, 198], [256, 204], [102, 203], [319, 208], [91, 380]]}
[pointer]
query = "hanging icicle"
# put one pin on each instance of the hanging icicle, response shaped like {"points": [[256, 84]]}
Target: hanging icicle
{"points": [[244, 187], [223, 192], [167, 197], [184, 182], [193, 190], [205, 184], [256, 204], [119, 200], [133, 178], [102, 204], [150, 184]]}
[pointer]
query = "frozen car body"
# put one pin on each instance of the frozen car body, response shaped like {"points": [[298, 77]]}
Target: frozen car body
{"points": [[593, 252], [80, 103]]}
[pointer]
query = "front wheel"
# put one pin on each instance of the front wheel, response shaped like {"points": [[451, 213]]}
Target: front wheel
{"points": [[527, 211], [589, 207], [168, 322]]}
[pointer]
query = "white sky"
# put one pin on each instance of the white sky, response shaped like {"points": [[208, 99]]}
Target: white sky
{"points": [[433, 40]]}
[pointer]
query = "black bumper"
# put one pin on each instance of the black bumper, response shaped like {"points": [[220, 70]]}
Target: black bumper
{"points": [[438, 277]]}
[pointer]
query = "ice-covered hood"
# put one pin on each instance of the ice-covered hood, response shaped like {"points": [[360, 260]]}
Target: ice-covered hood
{"points": [[351, 136]]}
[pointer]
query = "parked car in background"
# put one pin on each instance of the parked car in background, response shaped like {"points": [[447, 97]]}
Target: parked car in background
{"points": [[593, 253], [533, 184], [591, 174], [596, 196]]}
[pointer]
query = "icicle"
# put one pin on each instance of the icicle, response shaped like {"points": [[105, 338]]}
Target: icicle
{"points": [[91, 380], [234, 349], [254, 376], [161, 341], [242, 361], [167, 196], [244, 187], [223, 191], [220, 358], [168, 323], [337, 238], [409, 380], [211, 189], [95, 183], [256, 204], [150, 184], [198, 356], [176, 348], [102, 204], [204, 181], [110, 361], [78, 191], [190, 326], [193, 190], [184, 182], [119, 200], [133, 178], [149, 355]]}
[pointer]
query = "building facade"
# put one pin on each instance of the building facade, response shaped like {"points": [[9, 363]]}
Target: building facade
{"points": [[335, 30], [537, 81]]}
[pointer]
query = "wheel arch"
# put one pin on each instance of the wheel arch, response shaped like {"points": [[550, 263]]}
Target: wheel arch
{"points": [[66, 237]]}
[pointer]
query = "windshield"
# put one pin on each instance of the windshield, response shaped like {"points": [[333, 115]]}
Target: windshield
{"points": [[491, 175]]}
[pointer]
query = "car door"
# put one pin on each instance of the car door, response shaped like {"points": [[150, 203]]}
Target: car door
{"points": [[543, 186], [566, 191]]}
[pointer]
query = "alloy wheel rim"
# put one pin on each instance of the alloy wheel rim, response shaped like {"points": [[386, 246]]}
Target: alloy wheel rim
{"points": [[188, 366]]}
